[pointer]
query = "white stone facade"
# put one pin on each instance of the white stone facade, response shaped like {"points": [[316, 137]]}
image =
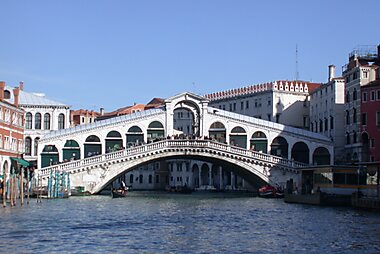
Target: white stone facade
{"points": [[327, 114]]}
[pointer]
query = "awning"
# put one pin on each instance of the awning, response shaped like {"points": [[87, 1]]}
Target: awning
{"points": [[21, 161]]}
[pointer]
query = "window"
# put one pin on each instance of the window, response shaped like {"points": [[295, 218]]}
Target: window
{"points": [[354, 137], [269, 102], [37, 121], [47, 121], [364, 119], [378, 118], [141, 179], [311, 127], [347, 117], [247, 104], [347, 138], [61, 121], [320, 126], [28, 121], [365, 74], [131, 178], [150, 179], [373, 96], [242, 105], [354, 115], [36, 140], [269, 117], [28, 146], [326, 124], [224, 107], [278, 118], [378, 95], [348, 96], [364, 97], [372, 142], [7, 94], [355, 95], [157, 178], [331, 122], [230, 106], [234, 106]]}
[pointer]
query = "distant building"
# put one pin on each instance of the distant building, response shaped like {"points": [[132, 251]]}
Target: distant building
{"points": [[285, 102], [361, 69], [82, 116], [42, 115], [327, 112], [121, 111], [11, 130]]}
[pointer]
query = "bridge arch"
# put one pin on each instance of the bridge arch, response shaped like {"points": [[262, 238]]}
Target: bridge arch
{"points": [[113, 141], [259, 142], [218, 132], [71, 150], [155, 131], [92, 146], [134, 136], [193, 117], [321, 156], [279, 147], [300, 152], [49, 155], [238, 137]]}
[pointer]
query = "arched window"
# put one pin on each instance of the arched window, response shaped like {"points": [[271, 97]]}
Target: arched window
{"points": [[354, 137], [47, 121], [28, 121], [354, 115], [61, 121], [7, 94], [37, 121], [28, 146], [348, 96], [36, 140]]}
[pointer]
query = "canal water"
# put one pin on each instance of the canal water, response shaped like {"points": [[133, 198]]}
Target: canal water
{"points": [[163, 223]]}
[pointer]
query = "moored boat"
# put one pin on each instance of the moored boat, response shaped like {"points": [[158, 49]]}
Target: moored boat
{"points": [[270, 192]]}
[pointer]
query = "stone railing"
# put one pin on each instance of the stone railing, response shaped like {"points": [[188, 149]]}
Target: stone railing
{"points": [[170, 143]]}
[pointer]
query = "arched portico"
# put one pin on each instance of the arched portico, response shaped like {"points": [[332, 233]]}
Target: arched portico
{"points": [[321, 156], [49, 156], [92, 146]]}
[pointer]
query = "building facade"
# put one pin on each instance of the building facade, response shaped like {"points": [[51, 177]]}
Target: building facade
{"points": [[361, 69], [42, 115], [370, 121], [82, 116], [327, 112], [11, 131], [284, 102]]}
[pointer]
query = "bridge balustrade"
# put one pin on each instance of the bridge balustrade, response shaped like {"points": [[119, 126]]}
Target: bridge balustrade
{"points": [[132, 151]]}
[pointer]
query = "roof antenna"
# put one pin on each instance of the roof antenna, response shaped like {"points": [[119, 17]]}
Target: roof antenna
{"points": [[297, 74]]}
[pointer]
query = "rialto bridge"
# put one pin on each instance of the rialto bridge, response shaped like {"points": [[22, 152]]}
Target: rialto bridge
{"points": [[184, 128]]}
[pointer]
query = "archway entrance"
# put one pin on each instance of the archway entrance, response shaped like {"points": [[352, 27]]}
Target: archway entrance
{"points": [[217, 132], [300, 152], [71, 150], [92, 146], [114, 141], [183, 122], [279, 147], [238, 137], [156, 131], [49, 156], [135, 136], [259, 142], [321, 156]]}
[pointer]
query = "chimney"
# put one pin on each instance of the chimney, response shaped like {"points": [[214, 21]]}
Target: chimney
{"points": [[331, 72], [101, 111], [16, 92], [2, 87], [21, 85]]}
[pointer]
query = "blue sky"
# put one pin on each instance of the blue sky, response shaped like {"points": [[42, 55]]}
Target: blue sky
{"points": [[92, 54]]}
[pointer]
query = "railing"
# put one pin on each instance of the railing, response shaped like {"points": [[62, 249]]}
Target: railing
{"points": [[133, 151]]}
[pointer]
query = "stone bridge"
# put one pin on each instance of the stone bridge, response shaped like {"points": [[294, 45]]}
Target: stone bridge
{"points": [[95, 173]]}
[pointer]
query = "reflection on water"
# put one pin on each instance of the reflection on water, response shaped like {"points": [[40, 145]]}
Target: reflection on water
{"points": [[163, 223]]}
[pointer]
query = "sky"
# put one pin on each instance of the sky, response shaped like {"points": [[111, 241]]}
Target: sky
{"points": [[113, 53]]}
